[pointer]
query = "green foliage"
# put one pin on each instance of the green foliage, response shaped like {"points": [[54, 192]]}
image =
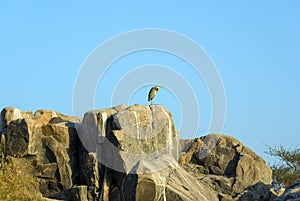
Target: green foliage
{"points": [[287, 170], [18, 181]]}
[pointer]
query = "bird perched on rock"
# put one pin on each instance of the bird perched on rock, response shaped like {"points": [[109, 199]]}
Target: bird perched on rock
{"points": [[152, 93]]}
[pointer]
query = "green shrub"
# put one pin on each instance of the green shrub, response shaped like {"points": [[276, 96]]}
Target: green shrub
{"points": [[287, 170], [17, 181]]}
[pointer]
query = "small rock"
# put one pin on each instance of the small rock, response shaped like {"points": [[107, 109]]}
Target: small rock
{"points": [[291, 193]]}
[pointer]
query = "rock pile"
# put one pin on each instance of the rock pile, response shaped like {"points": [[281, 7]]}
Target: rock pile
{"points": [[130, 153], [230, 168]]}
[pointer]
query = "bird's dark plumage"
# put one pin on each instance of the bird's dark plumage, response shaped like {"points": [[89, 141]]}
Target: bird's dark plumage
{"points": [[152, 93]]}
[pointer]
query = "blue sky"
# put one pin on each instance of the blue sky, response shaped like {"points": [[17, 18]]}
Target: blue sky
{"points": [[255, 46]]}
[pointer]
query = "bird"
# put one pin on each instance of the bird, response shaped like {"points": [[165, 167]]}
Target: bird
{"points": [[152, 93]]}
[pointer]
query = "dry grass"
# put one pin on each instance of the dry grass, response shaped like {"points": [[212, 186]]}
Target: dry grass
{"points": [[17, 181]]}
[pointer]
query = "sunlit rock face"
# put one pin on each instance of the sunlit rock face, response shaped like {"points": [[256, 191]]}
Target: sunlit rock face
{"points": [[170, 183], [231, 168], [9, 114], [49, 140], [124, 136], [141, 133], [130, 153]]}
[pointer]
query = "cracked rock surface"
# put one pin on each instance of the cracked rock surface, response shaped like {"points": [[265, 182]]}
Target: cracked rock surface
{"points": [[130, 153], [231, 168]]}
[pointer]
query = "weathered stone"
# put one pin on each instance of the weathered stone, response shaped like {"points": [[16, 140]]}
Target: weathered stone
{"points": [[21, 140], [224, 197], [79, 193], [2, 147], [280, 192], [93, 127], [170, 183], [257, 192], [247, 173], [51, 188], [139, 133], [191, 153], [251, 170], [24, 135], [45, 116], [53, 140], [62, 159], [221, 184], [185, 144], [130, 153], [10, 114], [90, 175], [291, 193], [58, 131], [46, 170], [119, 108]]}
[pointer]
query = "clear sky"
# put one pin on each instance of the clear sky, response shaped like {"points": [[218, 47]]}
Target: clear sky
{"points": [[255, 46]]}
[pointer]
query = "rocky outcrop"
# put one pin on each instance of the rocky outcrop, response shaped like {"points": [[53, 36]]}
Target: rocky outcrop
{"points": [[170, 183], [230, 168], [9, 114], [130, 153], [291, 193], [50, 139], [124, 137]]}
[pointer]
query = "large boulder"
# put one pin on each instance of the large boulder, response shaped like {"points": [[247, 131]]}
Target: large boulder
{"points": [[125, 136], [50, 139], [93, 127], [139, 133], [170, 183], [229, 167], [9, 114]]}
